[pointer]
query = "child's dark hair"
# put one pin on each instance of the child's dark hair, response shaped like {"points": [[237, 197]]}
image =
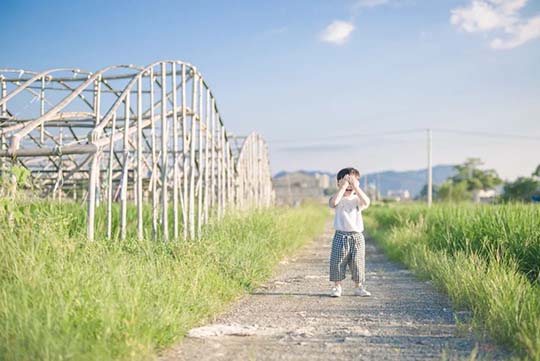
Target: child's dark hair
{"points": [[345, 171]]}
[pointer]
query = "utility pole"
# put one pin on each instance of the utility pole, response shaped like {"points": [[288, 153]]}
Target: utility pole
{"points": [[429, 171]]}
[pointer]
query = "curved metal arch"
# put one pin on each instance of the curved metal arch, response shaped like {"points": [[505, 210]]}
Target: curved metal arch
{"points": [[54, 110], [253, 169], [27, 83], [162, 133]]}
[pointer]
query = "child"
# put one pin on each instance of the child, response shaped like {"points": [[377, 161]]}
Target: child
{"points": [[348, 246]]}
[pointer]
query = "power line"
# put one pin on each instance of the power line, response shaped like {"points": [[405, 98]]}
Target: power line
{"points": [[348, 135], [483, 134], [486, 134]]}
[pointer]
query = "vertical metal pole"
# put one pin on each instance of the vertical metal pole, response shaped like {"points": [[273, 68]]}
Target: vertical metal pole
{"points": [[155, 198], [259, 171], [232, 176], [97, 117], [249, 178], [3, 92], [175, 155], [213, 158], [164, 154], [254, 171], [3, 113], [94, 170], [2, 142], [429, 171], [139, 160], [240, 179], [223, 170], [42, 110], [125, 166], [206, 154], [229, 173], [253, 174], [244, 180], [254, 154], [268, 176], [192, 156], [245, 166], [200, 160], [110, 177], [264, 173], [97, 100], [185, 165], [61, 171], [219, 190]]}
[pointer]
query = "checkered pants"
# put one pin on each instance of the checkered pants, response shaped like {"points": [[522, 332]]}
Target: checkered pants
{"points": [[348, 248]]}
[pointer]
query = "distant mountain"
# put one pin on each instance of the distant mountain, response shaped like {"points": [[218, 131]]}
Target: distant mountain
{"points": [[412, 180]]}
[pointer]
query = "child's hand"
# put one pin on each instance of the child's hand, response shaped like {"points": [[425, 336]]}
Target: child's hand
{"points": [[353, 181], [343, 183]]}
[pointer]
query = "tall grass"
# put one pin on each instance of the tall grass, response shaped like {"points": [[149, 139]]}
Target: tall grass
{"points": [[64, 298], [486, 258]]}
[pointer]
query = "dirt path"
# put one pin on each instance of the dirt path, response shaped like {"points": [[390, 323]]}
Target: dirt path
{"points": [[293, 318]]}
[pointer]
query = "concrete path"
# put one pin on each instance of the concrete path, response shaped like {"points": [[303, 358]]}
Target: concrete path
{"points": [[293, 318]]}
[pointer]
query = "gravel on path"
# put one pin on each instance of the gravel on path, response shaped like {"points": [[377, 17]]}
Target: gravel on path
{"points": [[292, 317]]}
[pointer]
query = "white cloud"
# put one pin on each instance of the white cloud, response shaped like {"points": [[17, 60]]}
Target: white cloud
{"points": [[497, 15], [520, 35], [338, 32]]}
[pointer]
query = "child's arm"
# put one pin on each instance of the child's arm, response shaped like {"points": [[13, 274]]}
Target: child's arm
{"points": [[334, 200], [364, 199]]}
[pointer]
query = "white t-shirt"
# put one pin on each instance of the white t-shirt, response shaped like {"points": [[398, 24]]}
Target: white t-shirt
{"points": [[348, 217]]}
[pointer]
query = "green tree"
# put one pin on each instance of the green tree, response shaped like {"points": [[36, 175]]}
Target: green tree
{"points": [[474, 178], [434, 191], [536, 172], [522, 189], [469, 178], [451, 191]]}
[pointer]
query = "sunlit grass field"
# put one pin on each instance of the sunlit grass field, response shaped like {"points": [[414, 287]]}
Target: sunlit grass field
{"points": [[486, 258], [65, 298]]}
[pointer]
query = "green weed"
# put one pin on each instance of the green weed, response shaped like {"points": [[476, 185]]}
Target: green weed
{"points": [[485, 258], [65, 298]]}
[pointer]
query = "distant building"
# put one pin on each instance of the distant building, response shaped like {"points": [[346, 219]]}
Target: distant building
{"points": [[324, 180], [485, 196], [372, 192], [296, 187], [398, 195]]}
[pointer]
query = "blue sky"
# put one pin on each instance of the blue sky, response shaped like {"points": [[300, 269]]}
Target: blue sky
{"points": [[321, 80]]}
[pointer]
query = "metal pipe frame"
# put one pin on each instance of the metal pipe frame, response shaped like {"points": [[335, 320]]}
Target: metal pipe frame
{"points": [[147, 132]]}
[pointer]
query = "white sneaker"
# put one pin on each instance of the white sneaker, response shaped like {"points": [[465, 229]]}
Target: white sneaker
{"points": [[336, 291], [362, 292]]}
